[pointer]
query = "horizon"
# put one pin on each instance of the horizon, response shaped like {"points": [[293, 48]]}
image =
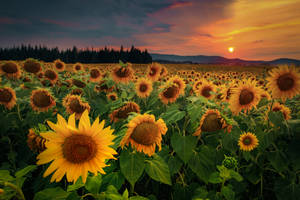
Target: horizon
{"points": [[257, 30]]}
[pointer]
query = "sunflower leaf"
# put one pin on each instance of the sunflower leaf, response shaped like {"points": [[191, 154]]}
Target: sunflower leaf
{"points": [[158, 170], [132, 165], [183, 146]]}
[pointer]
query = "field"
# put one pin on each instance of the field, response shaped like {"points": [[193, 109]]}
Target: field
{"points": [[148, 131]]}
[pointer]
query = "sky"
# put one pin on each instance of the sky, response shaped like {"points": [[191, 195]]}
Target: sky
{"points": [[257, 29]]}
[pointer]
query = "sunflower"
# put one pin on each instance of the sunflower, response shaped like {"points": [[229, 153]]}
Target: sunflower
{"points": [[41, 100], [77, 67], [163, 72], [283, 109], [8, 97], [212, 121], [74, 104], [205, 90], [143, 87], [103, 87], [112, 96], [124, 111], [74, 151], [265, 94], [121, 74], [35, 142], [227, 91], [10, 70], [78, 83], [32, 66], [95, 75], [245, 96], [153, 71], [169, 94], [51, 75], [196, 85], [144, 133], [284, 82], [248, 141], [179, 82], [59, 65]]}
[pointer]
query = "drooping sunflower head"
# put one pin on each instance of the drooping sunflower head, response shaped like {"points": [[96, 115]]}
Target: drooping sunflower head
{"points": [[163, 72], [77, 67], [143, 87], [8, 97], [124, 111], [74, 151], [283, 109], [51, 75], [227, 91], [41, 100], [284, 82], [179, 82], [153, 71], [196, 85], [206, 89], [102, 86], [35, 142], [32, 66], [245, 97], [74, 104], [11, 70], [144, 133], [95, 75], [212, 121], [122, 74], [169, 94], [112, 96], [248, 141], [59, 65], [78, 83]]}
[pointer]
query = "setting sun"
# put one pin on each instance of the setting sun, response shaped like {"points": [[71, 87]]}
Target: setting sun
{"points": [[231, 49]]}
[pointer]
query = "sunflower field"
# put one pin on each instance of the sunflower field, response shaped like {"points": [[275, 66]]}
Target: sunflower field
{"points": [[138, 132]]}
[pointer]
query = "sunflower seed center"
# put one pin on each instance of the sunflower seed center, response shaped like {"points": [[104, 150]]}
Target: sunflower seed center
{"points": [[211, 123], [10, 68], [246, 97], [171, 92], [76, 106], [95, 73], [50, 74], [285, 82], [5, 95], [145, 133], [247, 141], [206, 92], [41, 99], [143, 87]]}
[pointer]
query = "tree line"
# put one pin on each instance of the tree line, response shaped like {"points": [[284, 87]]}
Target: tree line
{"points": [[74, 55]]}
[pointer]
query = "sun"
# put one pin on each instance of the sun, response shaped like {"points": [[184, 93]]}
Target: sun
{"points": [[231, 49]]}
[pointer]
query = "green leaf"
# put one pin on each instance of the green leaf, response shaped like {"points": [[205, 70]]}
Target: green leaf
{"points": [[215, 178], [51, 194], [76, 185], [5, 175], [25, 171], [183, 146], [125, 194], [172, 114], [138, 198], [276, 118], [158, 170], [235, 175], [132, 165], [93, 183], [174, 164], [228, 193], [277, 160], [114, 178]]}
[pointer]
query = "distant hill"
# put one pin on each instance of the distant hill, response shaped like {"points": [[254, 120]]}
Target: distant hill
{"points": [[200, 59]]}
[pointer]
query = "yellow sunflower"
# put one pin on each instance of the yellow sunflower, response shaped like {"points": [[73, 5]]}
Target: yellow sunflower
{"points": [[143, 87], [77, 67], [95, 75], [59, 65], [244, 97], [74, 104], [248, 141], [163, 72], [78, 83], [284, 82], [179, 82], [112, 96], [124, 111], [153, 71], [121, 74], [169, 94], [283, 109], [32, 66], [11, 70], [8, 97], [212, 121], [205, 90], [75, 151], [41, 100], [144, 133], [51, 75]]}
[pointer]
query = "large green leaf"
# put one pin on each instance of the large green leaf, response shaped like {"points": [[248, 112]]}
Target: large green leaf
{"points": [[183, 146], [228, 193], [172, 114], [93, 183], [158, 169], [25, 171], [132, 165], [114, 178], [174, 164], [51, 194], [5, 175]]}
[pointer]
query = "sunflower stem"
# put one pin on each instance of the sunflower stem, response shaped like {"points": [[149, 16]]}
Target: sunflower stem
{"points": [[131, 189], [20, 194]]}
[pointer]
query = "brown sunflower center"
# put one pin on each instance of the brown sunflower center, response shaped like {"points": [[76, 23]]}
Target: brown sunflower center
{"points": [[171, 92], [78, 83], [206, 91], [152, 72], [145, 133], [285, 82], [246, 97], [5, 95], [211, 123], [123, 72], [112, 97], [123, 112], [76, 106], [32, 66], [78, 67], [79, 148], [41, 99], [50, 74], [10, 68], [143, 87], [247, 141], [59, 65], [95, 73], [275, 109]]}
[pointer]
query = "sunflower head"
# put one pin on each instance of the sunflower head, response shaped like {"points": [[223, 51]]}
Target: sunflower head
{"points": [[206, 89], [77, 67], [112, 96], [95, 75], [144, 133], [78, 83], [41, 100], [59, 65], [179, 82], [163, 72], [35, 142], [77, 91], [51, 75], [283, 109], [122, 74], [143, 87], [153, 71], [248, 141], [74, 151], [169, 94], [284, 82], [8, 97], [32, 66], [11, 70], [124, 111], [74, 104]]}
